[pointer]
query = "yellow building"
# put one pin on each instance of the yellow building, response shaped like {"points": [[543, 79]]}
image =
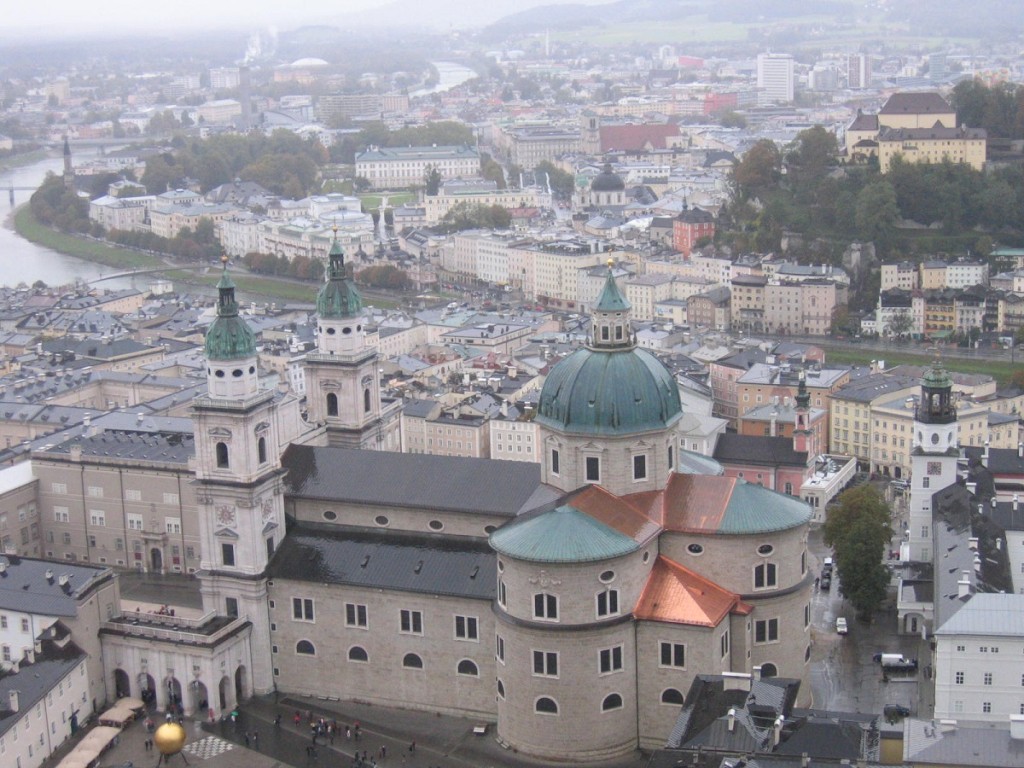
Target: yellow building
{"points": [[932, 145]]}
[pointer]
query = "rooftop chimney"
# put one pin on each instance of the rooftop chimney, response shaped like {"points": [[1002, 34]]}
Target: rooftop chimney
{"points": [[984, 456], [756, 672], [777, 731], [732, 717], [12, 701], [963, 584], [805, 760], [1016, 502], [1020, 450], [972, 488]]}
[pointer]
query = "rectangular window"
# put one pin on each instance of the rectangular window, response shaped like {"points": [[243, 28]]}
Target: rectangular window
{"points": [[302, 609], [958, 678], [764, 576], [986, 707], [925, 482], [172, 524], [593, 469], [673, 655], [61, 515], [545, 606], [611, 660], [231, 607], [608, 602], [61, 488], [640, 467], [725, 643], [97, 518], [554, 461], [227, 553], [545, 663], [987, 678], [355, 615], [466, 628], [499, 648], [132, 494], [411, 622], [766, 631], [171, 498], [95, 492], [134, 522]]}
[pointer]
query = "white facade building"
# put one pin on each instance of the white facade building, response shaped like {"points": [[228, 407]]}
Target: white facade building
{"points": [[775, 78]]}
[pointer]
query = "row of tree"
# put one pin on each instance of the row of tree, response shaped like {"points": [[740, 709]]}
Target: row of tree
{"points": [[301, 267], [998, 109]]}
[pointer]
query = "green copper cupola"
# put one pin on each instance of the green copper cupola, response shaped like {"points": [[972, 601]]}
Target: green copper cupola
{"points": [[229, 337], [338, 297], [611, 329]]}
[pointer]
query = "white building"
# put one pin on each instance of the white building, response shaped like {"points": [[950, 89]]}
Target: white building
{"points": [[396, 167], [775, 78]]}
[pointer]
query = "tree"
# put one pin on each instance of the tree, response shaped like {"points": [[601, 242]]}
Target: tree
{"points": [[562, 182], [858, 530], [876, 214], [758, 171], [900, 323], [432, 180], [732, 119]]}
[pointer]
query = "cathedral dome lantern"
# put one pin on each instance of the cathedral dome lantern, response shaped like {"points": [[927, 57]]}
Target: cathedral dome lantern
{"points": [[339, 307], [936, 406], [230, 347]]}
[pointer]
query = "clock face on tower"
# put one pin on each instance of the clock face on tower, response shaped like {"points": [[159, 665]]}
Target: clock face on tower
{"points": [[934, 468], [226, 514]]}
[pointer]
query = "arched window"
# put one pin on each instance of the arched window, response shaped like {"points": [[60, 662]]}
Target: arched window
{"points": [[222, 455], [769, 670], [412, 661], [671, 696], [765, 576], [546, 706], [332, 404], [261, 450], [501, 690], [355, 653], [305, 648], [467, 667], [611, 701], [366, 400]]}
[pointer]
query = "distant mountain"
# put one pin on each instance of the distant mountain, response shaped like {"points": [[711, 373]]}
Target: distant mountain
{"points": [[447, 14]]}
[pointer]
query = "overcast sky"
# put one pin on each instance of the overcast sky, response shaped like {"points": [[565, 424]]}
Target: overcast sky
{"points": [[61, 17]]}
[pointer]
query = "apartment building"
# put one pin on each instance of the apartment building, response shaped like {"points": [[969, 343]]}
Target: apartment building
{"points": [[746, 308], [901, 276], [475, 192], [850, 409], [804, 308]]}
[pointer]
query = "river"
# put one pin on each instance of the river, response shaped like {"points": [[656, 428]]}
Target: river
{"points": [[25, 262], [450, 75]]}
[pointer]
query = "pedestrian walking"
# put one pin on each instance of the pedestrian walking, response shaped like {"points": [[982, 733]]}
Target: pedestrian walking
{"points": [[297, 717], [383, 751], [412, 746], [247, 738], [256, 738], [277, 720], [348, 733]]}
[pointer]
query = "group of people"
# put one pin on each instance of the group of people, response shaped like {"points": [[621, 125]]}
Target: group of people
{"points": [[328, 729]]}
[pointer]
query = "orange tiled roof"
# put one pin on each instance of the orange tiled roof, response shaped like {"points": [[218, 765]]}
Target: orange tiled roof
{"points": [[676, 594], [696, 502], [615, 512]]}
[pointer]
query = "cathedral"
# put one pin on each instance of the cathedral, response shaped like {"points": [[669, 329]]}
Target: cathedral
{"points": [[586, 590]]}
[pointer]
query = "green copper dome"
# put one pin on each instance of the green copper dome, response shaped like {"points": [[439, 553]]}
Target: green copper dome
{"points": [[937, 377], [611, 392], [611, 298], [339, 296], [230, 337]]}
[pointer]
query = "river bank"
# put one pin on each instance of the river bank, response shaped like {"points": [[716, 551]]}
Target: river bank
{"points": [[22, 159]]}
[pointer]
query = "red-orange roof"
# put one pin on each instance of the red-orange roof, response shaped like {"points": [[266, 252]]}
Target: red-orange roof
{"points": [[676, 594], [636, 136], [696, 503], [615, 512]]}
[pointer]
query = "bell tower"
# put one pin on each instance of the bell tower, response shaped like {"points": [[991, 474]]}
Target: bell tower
{"points": [[342, 379], [239, 480], [933, 458], [803, 435]]}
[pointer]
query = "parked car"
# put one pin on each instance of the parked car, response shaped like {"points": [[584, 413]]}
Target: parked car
{"points": [[894, 712], [841, 627], [826, 581]]}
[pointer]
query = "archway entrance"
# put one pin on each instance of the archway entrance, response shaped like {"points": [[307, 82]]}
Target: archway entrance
{"points": [[122, 683], [224, 691], [147, 688], [240, 683], [174, 700], [156, 560], [200, 699]]}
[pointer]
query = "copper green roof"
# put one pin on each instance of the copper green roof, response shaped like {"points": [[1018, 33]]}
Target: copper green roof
{"points": [[609, 392], [339, 296], [727, 505], [611, 298], [229, 337], [561, 535], [937, 377]]}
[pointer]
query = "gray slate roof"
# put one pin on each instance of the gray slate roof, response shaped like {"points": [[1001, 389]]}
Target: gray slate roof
{"points": [[410, 562], [414, 480], [988, 614], [25, 588], [34, 681]]}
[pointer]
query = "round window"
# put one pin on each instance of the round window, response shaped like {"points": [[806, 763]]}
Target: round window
{"points": [[607, 576], [252, 369], [219, 374], [489, 529], [381, 520], [765, 549], [695, 549], [435, 525], [935, 438], [501, 567], [359, 327], [330, 515], [346, 330], [330, 331], [647, 556], [237, 373]]}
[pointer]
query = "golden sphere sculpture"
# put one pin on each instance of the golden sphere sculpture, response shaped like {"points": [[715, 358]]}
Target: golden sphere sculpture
{"points": [[169, 739]]}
